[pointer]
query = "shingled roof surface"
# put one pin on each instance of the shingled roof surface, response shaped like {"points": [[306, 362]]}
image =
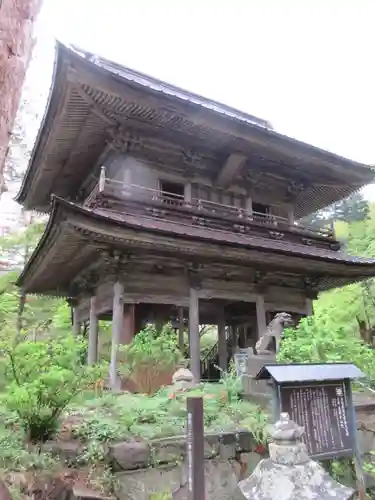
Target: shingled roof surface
{"points": [[226, 237], [90, 95]]}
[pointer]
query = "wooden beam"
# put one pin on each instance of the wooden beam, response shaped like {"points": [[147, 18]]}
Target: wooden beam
{"points": [[230, 168], [94, 106]]}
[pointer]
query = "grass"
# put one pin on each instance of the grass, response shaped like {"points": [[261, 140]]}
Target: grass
{"points": [[126, 416]]}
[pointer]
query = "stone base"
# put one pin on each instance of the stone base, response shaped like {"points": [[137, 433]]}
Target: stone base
{"points": [[220, 477], [256, 362], [251, 387], [272, 481]]}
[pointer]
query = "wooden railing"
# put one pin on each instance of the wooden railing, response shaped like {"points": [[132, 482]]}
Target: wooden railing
{"points": [[202, 213]]}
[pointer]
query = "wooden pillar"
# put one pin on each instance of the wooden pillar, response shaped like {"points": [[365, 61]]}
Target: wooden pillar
{"points": [[117, 327], [309, 307], [223, 350], [92, 351], [76, 323], [128, 325], [194, 340], [181, 343], [261, 315]]}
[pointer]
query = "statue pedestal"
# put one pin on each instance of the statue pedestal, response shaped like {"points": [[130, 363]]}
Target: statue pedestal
{"points": [[251, 387]]}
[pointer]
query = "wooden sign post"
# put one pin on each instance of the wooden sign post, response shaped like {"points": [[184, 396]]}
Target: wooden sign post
{"points": [[195, 447]]}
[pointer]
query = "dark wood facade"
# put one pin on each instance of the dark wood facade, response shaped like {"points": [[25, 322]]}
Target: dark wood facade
{"points": [[168, 205]]}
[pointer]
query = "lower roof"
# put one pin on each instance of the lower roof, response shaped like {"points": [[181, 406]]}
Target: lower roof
{"points": [[74, 235]]}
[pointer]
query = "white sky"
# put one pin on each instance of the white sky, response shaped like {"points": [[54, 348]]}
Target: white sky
{"points": [[306, 66]]}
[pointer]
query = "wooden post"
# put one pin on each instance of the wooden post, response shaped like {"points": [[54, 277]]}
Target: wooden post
{"points": [[194, 340], [223, 351], [261, 315], [76, 323], [181, 340], [92, 352], [128, 325], [117, 326], [309, 307], [195, 446]]}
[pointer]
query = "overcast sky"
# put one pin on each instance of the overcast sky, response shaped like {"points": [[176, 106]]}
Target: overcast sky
{"points": [[306, 66]]}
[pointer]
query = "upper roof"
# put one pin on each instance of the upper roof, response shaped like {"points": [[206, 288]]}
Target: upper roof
{"points": [[309, 372], [92, 100]]}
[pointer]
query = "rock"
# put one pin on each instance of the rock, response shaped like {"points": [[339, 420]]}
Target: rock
{"points": [[129, 455], [220, 481], [83, 493], [168, 450], [68, 451]]}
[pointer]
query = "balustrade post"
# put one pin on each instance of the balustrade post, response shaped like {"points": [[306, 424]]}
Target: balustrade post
{"points": [[102, 179]]}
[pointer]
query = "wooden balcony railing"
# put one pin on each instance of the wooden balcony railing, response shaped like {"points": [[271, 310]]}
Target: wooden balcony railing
{"points": [[140, 200]]}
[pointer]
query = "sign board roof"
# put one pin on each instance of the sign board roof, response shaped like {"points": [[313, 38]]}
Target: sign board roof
{"points": [[286, 372]]}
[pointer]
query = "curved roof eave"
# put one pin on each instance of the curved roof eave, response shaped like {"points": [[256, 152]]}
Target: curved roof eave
{"points": [[48, 117], [61, 204], [105, 69]]}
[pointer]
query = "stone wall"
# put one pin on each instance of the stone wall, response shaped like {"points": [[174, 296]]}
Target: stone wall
{"points": [[159, 466]]}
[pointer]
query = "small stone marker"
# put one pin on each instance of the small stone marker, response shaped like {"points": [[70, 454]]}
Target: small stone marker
{"points": [[289, 473]]}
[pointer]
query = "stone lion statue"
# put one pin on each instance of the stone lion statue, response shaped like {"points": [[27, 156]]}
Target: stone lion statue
{"points": [[274, 329]]}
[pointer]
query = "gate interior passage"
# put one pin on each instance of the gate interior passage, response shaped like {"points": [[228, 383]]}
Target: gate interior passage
{"points": [[319, 398]]}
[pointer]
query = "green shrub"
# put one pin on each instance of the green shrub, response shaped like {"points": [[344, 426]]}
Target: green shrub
{"points": [[151, 359], [153, 345], [43, 378], [320, 340]]}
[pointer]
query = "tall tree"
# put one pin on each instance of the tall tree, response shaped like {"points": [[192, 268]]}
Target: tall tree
{"points": [[16, 45], [353, 209]]}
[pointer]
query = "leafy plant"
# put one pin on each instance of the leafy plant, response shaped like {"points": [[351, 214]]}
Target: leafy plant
{"points": [[319, 339], [43, 378], [152, 357]]}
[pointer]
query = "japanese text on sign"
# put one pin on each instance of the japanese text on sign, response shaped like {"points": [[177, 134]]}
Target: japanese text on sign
{"points": [[322, 410]]}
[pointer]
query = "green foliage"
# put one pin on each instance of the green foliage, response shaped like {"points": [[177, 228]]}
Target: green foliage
{"points": [[43, 378], [153, 346], [112, 418], [353, 209], [320, 340]]}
